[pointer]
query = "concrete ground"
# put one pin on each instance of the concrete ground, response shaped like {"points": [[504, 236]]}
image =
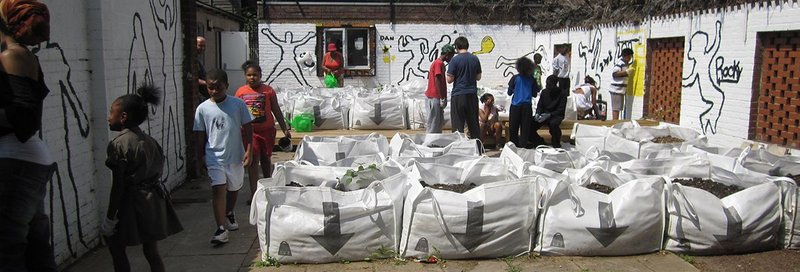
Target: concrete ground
{"points": [[190, 250]]}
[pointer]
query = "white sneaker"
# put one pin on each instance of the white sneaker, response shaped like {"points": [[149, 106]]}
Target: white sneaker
{"points": [[220, 237], [232, 225]]}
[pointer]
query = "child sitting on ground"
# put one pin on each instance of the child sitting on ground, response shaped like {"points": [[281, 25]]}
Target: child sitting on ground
{"points": [[489, 120]]}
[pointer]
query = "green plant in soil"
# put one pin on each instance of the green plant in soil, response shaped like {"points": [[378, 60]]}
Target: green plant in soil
{"points": [[360, 176], [267, 262], [510, 263], [687, 258]]}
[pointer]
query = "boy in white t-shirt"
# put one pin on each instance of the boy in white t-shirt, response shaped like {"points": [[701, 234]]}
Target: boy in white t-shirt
{"points": [[218, 124], [619, 82]]}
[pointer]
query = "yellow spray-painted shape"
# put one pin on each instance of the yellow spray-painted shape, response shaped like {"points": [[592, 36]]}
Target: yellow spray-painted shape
{"points": [[487, 45], [389, 59]]}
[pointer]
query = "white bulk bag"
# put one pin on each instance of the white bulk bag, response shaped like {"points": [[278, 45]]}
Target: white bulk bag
{"points": [[702, 224], [584, 222], [480, 170], [378, 111], [490, 221], [327, 150], [322, 225], [588, 136], [355, 161], [409, 149], [725, 158], [426, 139], [791, 206], [555, 159], [418, 113], [328, 111], [762, 161], [327, 176], [636, 143], [446, 159]]}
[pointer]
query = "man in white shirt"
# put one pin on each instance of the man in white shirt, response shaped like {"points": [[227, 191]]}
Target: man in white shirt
{"points": [[619, 82], [561, 67]]}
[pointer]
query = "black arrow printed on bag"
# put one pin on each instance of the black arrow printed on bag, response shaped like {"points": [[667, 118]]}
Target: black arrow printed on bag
{"points": [[318, 120], [332, 238], [608, 231], [734, 229], [377, 118], [474, 236]]}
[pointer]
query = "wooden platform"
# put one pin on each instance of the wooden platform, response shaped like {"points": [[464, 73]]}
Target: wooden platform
{"points": [[566, 131]]}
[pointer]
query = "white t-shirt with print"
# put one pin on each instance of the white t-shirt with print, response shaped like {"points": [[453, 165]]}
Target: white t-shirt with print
{"points": [[222, 123]]}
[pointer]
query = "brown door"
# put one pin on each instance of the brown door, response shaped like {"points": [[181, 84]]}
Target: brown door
{"points": [[775, 110], [662, 96]]}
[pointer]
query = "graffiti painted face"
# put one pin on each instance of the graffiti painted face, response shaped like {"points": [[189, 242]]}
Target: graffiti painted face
{"points": [[253, 77], [217, 90], [116, 117]]}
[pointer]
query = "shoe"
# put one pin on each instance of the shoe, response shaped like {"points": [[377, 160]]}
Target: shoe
{"points": [[220, 237], [232, 225]]}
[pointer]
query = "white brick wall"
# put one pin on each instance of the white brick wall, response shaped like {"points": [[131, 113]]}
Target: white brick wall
{"points": [[738, 29], [86, 66]]}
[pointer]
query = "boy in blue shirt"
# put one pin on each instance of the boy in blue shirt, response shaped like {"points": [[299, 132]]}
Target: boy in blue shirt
{"points": [[464, 72], [218, 124]]}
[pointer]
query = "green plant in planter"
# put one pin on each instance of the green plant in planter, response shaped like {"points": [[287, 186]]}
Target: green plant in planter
{"points": [[362, 176]]}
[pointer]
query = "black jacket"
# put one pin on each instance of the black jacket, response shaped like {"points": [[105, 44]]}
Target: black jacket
{"points": [[553, 101]]}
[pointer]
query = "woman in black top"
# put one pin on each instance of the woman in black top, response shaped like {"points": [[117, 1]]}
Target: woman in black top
{"points": [[25, 163]]}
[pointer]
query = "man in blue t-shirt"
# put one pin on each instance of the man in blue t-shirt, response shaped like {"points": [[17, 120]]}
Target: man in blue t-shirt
{"points": [[464, 71]]}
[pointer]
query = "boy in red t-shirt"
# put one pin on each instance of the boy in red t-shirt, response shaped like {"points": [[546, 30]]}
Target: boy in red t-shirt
{"points": [[263, 105], [437, 90]]}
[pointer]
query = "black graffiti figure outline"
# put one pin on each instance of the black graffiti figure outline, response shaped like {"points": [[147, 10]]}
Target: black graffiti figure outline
{"points": [[508, 64], [71, 107], [289, 42], [700, 50], [422, 55]]}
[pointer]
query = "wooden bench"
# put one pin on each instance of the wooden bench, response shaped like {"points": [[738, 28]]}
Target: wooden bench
{"points": [[566, 131]]}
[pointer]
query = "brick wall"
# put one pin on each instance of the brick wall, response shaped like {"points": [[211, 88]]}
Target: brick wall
{"points": [[98, 51]]}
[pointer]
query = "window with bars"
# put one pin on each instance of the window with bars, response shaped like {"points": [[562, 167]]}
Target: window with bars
{"points": [[357, 45]]}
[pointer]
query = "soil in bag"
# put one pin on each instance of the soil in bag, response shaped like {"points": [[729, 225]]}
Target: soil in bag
{"points": [[718, 189], [600, 188], [458, 188], [667, 140], [294, 184]]}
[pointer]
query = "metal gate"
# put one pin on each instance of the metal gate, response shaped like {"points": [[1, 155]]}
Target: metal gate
{"points": [[775, 111], [662, 96]]}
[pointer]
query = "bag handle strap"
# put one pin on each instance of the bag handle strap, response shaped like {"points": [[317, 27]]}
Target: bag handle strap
{"points": [[689, 206], [437, 213]]}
